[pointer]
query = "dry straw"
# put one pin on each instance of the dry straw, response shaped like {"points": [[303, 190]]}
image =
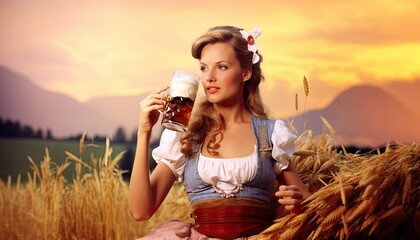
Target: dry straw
{"points": [[93, 205], [372, 196]]}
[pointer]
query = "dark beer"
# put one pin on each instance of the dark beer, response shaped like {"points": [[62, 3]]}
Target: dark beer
{"points": [[181, 95], [177, 113]]}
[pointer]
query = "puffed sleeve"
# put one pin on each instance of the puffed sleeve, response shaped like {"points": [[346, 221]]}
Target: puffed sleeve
{"points": [[283, 145], [169, 152]]}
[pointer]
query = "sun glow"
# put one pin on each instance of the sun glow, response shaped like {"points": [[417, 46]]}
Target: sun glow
{"points": [[134, 46]]}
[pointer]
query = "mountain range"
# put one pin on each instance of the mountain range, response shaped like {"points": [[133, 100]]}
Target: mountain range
{"points": [[362, 115], [22, 100]]}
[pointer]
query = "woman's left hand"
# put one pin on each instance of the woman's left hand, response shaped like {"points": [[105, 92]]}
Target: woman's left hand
{"points": [[291, 197]]}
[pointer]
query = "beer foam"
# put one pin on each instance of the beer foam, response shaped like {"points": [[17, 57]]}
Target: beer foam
{"points": [[185, 76], [184, 84]]}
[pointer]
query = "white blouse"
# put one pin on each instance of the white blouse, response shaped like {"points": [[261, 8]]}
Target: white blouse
{"points": [[225, 175]]}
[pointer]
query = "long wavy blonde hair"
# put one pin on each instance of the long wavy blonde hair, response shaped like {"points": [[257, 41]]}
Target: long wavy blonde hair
{"points": [[206, 121]]}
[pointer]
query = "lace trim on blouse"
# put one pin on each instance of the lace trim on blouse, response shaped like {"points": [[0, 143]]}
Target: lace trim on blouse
{"points": [[227, 175]]}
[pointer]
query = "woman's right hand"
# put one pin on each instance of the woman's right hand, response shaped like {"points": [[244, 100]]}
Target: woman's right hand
{"points": [[149, 107]]}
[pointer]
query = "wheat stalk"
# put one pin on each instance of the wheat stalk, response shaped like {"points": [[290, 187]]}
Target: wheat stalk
{"points": [[328, 125], [348, 207], [306, 91], [305, 86]]}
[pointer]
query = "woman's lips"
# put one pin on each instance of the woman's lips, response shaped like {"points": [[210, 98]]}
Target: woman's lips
{"points": [[212, 89]]}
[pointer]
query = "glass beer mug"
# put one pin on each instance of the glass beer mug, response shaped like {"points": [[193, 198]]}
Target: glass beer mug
{"points": [[180, 101]]}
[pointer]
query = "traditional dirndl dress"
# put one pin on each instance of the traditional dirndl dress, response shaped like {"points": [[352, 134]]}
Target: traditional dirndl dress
{"points": [[230, 198]]}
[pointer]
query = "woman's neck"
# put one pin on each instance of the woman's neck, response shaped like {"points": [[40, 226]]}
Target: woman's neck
{"points": [[233, 114]]}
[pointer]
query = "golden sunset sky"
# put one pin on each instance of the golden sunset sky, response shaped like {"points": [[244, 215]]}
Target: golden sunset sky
{"points": [[103, 48]]}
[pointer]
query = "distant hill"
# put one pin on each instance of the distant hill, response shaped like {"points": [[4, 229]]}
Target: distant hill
{"points": [[365, 116], [362, 115], [124, 110], [22, 100], [406, 92]]}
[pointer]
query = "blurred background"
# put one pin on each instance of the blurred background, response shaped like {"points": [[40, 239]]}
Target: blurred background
{"points": [[72, 66]]}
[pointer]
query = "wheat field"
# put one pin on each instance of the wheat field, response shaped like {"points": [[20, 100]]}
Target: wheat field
{"points": [[355, 196]]}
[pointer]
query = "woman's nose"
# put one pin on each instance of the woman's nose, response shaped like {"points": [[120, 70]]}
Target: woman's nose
{"points": [[210, 77]]}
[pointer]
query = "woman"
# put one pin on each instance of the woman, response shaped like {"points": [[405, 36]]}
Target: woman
{"points": [[231, 154]]}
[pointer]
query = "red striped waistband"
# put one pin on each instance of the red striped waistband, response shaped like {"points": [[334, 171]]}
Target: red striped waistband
{"points": [[231, 218]]}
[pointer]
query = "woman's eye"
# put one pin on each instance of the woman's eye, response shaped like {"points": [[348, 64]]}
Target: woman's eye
{"points": [[223, 67], [203, 68]]}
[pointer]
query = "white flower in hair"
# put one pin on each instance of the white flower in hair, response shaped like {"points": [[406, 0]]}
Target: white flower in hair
{"points": [[252, 45]]}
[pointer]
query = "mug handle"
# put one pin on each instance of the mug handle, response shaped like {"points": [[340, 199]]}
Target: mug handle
{"points": [[166, 94]]}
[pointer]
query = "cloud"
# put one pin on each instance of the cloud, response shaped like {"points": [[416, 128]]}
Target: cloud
{"points": [[343, 43], [126, 47]]}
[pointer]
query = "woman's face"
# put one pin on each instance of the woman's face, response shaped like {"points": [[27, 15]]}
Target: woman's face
{"points": [[221, 74]]}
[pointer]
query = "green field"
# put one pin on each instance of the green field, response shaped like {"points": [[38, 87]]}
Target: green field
{"points": [[14, 153]]}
